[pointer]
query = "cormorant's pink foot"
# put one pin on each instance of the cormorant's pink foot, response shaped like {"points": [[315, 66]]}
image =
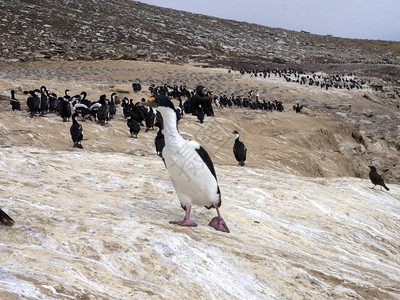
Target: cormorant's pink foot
{"points": [[219, 224], [185, 222]]}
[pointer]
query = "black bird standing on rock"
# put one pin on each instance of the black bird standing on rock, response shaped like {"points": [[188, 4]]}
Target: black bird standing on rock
{"points": [[200, 114], [76, 132], [64, 108], [103, 113], [239, 150], [15, 105], [33, 102], [297, 108], [195, 182], [376, 178], [5, 219], [159, 142], [134, 126]]}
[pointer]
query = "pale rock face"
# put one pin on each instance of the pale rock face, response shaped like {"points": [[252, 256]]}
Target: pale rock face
{"points": [[105, 233]]}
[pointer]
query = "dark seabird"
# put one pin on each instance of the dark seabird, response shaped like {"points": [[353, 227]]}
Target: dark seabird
{"points": [[150, 119], [189, 166], [76, 132], [103, 112], [159, 142], [33, 102], [64, 109], [239, 150], [15, 105], [376, 178], [136, 87], [53, 102], [5, 219], [134, 126], [112, 105], [297, 108], [200, 114], [44, 100]]}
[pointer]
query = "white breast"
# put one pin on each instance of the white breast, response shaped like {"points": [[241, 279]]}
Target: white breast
{"points": [[190, 176]]}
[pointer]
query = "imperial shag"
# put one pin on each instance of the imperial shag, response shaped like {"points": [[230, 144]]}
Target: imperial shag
{"points": [[239, 150], [15, 105], [134, 126], [297, 108], [189, 166], [76, 132], [159, 142]]}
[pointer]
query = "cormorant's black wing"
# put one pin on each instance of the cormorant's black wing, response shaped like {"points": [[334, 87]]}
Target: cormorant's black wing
{"points": [[207, 160], [5, 219]]}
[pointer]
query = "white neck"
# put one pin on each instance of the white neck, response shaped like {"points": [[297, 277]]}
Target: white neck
{"points": [[236, 136], [170, 129]]}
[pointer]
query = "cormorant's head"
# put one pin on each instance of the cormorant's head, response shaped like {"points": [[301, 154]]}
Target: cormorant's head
{"points": [[159, 101], [102, 99], [372, 168], [235, 132]]}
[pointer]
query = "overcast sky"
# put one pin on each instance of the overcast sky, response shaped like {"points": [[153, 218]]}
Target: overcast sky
{"points": [[363, 19]]}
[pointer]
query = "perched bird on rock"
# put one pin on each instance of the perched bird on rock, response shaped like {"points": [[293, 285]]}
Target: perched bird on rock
{"points": [[200, 114], [15, 105], [189, 167], [76, 132], [376, 178], [297, 108], [134, 126], [159, 142], [239, 149]]}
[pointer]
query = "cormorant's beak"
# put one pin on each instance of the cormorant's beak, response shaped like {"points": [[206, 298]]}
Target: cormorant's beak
{"points": [[150, 102]]}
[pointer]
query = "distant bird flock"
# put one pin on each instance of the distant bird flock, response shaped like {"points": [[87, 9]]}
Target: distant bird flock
{"points": [[324, 81]]}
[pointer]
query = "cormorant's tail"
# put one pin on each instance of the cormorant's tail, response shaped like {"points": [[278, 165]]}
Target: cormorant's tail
{"points": [[384, 185], [241, 163], [5, 219]]}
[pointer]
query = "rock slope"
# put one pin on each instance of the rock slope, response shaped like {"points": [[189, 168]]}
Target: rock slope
{"points": [[119, 29]]}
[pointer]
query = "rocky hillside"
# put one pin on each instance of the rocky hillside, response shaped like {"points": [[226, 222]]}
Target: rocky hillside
{"points": [[120, 29]]}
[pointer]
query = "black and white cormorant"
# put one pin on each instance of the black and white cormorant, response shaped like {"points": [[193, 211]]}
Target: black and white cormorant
{"points": [[297, 108], [112, 105], [159, 142], [76, 131], [136, 87], [103, 113], [200, 114], [53, 102], [82, 105], [44, 100], [239, 149], [5, 219], [134, 126], [150, 119], [33, 102], [15, 105], [64, 108], [189, 166]]}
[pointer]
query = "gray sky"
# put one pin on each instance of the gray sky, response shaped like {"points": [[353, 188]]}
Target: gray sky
{"points": [[363, 19]]}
